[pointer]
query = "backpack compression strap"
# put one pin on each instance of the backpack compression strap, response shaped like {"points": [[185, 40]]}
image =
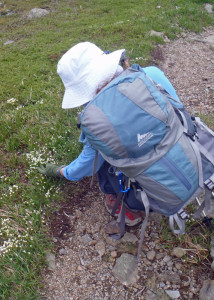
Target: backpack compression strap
{"points": [[94, 168], [145, 201]]}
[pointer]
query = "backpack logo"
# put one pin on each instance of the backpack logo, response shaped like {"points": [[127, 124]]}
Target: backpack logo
{"points": [[143, 138]]}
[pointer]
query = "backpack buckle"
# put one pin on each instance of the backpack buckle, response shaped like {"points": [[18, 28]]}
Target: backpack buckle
{"points": [[182, 214], [210, 184]]}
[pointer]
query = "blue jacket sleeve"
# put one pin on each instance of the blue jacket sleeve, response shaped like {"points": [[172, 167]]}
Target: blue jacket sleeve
{"points": [[158, 76], [83, 165]]}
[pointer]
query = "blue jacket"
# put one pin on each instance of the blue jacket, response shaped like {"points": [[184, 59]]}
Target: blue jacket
{"points": [[83, 165]]}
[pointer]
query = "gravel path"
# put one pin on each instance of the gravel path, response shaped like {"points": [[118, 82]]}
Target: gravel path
{"points": [[84, 262]]}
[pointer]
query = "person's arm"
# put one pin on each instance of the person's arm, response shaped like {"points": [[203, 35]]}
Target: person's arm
{"points": [[77, 169], [83, 165]]}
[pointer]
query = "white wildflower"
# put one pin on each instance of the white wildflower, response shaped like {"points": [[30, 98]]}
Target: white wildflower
{"points": [[12, 100]]}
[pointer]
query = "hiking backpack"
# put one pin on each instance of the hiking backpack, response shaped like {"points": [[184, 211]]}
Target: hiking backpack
{"points": [[148, 136]]}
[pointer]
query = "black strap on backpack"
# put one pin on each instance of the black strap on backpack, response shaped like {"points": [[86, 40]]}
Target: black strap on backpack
{"points": [[124, 183]]}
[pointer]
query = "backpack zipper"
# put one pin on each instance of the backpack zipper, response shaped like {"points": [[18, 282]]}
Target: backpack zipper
{"points": [[171, 165]]}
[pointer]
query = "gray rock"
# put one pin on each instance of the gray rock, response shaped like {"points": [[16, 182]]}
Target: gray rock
{"points": [[129, 238], [169, 276], [173, 294], [100, 248], [209, 40], [207, 290], [178, 266], [212, 245], [178, 252], [166, 259], [125, 269], [209, 8], [110, 241], [151, 255], [62, 251], [85, 239], [156, 33], [156, 295], [212, 265], [151, 296], [51, 261], [37, 13], [9, 12], [185, 280], [8, 42]]}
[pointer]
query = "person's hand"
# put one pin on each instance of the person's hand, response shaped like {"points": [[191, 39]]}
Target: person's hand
{"points": [[50, 170]]}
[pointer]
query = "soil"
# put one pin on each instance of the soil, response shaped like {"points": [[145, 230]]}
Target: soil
{"points": [[78, 227]]}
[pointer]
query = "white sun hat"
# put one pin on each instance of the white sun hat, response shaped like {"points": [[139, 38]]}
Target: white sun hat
{"points": [[83, 69]]}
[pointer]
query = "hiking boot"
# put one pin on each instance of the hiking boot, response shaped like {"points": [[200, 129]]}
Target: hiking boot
{"points": [[132, 217], [110, 201]]}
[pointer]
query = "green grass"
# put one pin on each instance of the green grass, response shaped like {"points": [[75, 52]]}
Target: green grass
{"points": [[33, 127]]}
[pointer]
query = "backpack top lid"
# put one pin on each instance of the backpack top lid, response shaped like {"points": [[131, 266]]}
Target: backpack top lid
{"points": [[128, 118]]}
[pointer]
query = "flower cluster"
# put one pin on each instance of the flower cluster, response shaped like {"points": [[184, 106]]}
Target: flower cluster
{"points": [[12, 100], [40, 157], [11, 191], [16, 230]]}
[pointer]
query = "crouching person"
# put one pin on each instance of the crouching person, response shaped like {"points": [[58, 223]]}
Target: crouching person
{"points": [[85, 70]]}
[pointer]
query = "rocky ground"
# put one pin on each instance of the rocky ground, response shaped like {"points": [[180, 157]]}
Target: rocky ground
{"points": [[88, 264]]}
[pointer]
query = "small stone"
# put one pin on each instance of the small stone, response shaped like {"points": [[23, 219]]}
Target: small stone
{"points": [[146, 262], [62, 251], [114, 254], [8, 42], [207, 290], [129, 238], [37, 13], [166, 259], [173, 294], [125, 269], [110, 241], [185, 280], [78, 213], [161, 284], [178, 252], [79, 268], [100, 248], [169, 276], [178, 266], [209, 8], [212, 246], [209, 40], [51, 261], [112, 227], [156, 33], [92, 243], [151, 255], [159, 256], [85, 239]]}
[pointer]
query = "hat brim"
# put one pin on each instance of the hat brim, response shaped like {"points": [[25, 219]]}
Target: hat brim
{"points": [[102, 70]]}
